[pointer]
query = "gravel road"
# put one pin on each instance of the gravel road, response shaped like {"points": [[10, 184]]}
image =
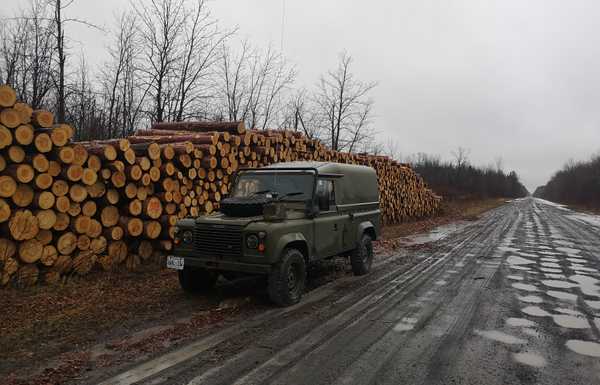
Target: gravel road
{"points": [[513, 298]]}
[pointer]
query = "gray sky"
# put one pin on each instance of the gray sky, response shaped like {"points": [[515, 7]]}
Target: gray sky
{"points": [[511, 78]]}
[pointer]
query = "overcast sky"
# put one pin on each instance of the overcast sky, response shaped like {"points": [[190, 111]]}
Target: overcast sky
{"points": [[512, 78]]}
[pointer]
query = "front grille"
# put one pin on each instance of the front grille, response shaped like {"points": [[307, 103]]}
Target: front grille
{"points": [[219, 241]]}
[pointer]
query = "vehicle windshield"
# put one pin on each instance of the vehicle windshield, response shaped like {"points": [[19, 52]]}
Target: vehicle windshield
{"points": [[298, 185]]}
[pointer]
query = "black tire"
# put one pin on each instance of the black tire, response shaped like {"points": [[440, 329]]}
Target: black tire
{"points": [[195, 279], [362, 257], [288, 278]]}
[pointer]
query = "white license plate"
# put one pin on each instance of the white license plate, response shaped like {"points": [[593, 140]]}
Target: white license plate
{"points": [[175, 262]]}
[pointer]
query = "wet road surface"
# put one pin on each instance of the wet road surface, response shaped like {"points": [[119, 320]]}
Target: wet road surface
{"points": [[513, 298]]}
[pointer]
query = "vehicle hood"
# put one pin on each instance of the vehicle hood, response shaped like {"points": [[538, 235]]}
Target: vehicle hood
{"points": [[222, 219]]}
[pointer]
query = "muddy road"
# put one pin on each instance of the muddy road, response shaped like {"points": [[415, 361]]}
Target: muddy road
{"points": [[513, 298]]}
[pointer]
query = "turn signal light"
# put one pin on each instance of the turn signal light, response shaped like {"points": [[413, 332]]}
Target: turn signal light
{"points": [[261, 247]]}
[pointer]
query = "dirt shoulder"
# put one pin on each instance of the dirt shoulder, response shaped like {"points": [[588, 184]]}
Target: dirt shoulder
{"points": [[50, 335]]}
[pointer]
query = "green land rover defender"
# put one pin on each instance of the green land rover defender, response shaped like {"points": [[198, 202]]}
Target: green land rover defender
{"points": [[276, 221]]}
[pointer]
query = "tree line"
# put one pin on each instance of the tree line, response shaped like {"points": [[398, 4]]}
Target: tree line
{"points": [[171, 60], [577, 183], [458, 179]]}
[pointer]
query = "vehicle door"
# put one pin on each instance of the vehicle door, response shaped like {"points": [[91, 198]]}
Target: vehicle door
{"points": [[328, 240]]}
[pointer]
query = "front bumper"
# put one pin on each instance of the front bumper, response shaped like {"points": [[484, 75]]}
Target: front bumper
{"points": [[250, 265], [223, 265]]}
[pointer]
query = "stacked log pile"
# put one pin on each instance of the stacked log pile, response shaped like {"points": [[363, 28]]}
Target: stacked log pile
{"points": [[67, 207]]}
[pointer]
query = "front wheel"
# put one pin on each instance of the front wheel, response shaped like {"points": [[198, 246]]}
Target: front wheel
{"points": [[288, 278], [362, 257], [194, 280]]}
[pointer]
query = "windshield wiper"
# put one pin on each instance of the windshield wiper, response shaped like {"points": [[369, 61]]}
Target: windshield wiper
{"points": [[290, 195]]}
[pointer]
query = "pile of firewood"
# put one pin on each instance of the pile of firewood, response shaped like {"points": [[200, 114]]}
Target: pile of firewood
{"points": [[67, 207]]}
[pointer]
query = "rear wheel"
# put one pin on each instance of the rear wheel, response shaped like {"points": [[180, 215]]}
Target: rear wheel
{"points": [[362, 257], [196, 279], [288, 278]]}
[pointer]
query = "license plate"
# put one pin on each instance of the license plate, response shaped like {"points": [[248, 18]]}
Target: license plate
{"points": [[175, 262]]}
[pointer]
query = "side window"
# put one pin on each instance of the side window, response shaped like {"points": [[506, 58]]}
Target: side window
{"points": [[325, 194]]}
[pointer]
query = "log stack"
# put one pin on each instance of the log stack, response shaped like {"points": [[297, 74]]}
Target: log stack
{"points": [[69, 207]]}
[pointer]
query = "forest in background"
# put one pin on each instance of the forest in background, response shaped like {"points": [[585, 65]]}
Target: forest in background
{"points": [[458, 179], [577, 183]]}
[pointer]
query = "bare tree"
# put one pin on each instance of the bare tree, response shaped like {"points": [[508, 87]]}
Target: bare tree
{"points": [[300, 114], [461, 156], [162, 23], [202, 40], [345, 106], [27, 53]]}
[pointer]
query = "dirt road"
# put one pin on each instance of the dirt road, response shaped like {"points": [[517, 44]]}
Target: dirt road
{"points": [[512, 298]]}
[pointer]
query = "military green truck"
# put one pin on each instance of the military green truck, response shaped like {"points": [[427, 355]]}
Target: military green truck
{"points": [[276, 221]]}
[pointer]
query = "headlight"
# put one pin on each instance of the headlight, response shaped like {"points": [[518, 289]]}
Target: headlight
{"points": [[188, 236], [252, 241]]}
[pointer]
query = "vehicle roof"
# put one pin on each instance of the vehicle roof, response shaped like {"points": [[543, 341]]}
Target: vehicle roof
{"points": [[357, 185], [324, 167]]}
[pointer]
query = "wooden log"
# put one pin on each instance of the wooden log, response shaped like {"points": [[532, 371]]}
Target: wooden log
{"points": [[23, 196], [8, 96], [23, 172], [27, 276], [109, 216], [49, 255], [133, 227], [66, 243], [152, 229], [10, 118], [81, 154], [231, 127], [24, 135], [63, 221], [40, 163], [8, 186], [117, 250], [42, 118], [43, 143], [8, 249], [46, 219], [78, 193], [25, 111], [45, 237], [30, 251]]}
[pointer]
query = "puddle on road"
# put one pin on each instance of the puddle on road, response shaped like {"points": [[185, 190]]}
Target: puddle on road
{"points": [[586, 348], [562, 295], [577, 260], [536, 311], [520, 322], [406, 324], [515, 277], [531, 299], [571, 322], [524, 286], [551, 265], [558, 284], [555, 276], [441, 282], [530, 359], [515, 260], [550, 270], [568, 250], [500, 337], [530, 332], [550, 259]]}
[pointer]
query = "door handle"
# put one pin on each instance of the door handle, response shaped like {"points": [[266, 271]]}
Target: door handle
{"points": [[335, 227]]}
